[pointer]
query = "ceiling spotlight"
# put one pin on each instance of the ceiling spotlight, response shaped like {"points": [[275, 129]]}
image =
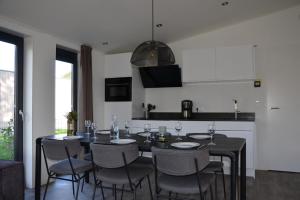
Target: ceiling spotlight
{"points": [[159, 25], [104, 43], [225, 3]]}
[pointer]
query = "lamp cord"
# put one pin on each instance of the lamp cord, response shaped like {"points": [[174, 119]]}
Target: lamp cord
{"points": [[152, 20]]}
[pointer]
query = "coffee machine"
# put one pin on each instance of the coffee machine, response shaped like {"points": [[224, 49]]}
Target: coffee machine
{"points": [[186, 109]]}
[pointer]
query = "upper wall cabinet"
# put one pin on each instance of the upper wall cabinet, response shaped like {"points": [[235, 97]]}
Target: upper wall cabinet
{"points": [[118, 65], [235, 63], [198, 65], [218, 64]]}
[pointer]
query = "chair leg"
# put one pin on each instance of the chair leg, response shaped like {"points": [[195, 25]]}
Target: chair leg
{"points": [[224, 185], [78, 184], [82, 185], [211, 192], [73, 185], [101, 187], [115, 191], [122, 192], [150, 189], [216, 185], [170, 194], [134, 194], [46, 188]]}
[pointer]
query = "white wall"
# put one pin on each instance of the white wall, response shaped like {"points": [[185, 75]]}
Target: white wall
{"points": [[39, 87], [278, 42]]}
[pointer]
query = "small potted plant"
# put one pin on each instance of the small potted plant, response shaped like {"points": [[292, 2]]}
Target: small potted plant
{"points": [[72, 121]]}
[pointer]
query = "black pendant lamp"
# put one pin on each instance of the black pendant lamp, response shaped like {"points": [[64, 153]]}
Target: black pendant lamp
{"points": [[152, 53]]}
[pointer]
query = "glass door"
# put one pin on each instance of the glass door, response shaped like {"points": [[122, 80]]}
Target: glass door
{"points": [[11, 97]]}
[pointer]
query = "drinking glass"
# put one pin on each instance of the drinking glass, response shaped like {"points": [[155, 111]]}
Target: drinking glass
{"points": [[211, 131], [178, 128], [87, 124], [127, 128], [147, 129]]}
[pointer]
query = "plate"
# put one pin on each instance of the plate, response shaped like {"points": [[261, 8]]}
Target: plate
{"points": [[144, 134], [72, 137], [123, 141], [103, 132], [185, 145], [200, 137]]}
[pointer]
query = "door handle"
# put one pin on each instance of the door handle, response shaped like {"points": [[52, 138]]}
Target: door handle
{"points": [[22, 115], [275, 108]]}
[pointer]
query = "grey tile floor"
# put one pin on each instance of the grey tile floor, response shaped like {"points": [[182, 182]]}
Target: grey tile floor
{"points": [[267, 185]]}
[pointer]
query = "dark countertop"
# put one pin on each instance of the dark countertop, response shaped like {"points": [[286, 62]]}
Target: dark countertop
{"points": [[201, 116]]}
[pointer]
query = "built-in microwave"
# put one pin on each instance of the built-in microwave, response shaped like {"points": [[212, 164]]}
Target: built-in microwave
{"points": [[118, 89]]}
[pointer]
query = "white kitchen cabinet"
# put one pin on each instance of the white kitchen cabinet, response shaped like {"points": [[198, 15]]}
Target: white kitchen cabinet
{"points": [[218, 64], [118, 65], [235, 63], [198, 65], [246, 130]]}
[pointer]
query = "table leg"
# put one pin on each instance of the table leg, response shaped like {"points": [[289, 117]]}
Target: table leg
{"points": [[233, 177], [37, 191], [243, 174], [237, 161], [87, 177]]}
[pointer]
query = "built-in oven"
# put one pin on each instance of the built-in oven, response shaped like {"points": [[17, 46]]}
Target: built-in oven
{"points": [[118, 89]]}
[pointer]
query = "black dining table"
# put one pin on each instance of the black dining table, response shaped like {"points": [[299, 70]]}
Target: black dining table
{"points": [[233, 148]]}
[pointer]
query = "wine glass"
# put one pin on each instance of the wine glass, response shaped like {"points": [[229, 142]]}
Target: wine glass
{"points": [[211, 131], [178, 128], [94, 128], [127, 127], [87, 124], [147, 129]]}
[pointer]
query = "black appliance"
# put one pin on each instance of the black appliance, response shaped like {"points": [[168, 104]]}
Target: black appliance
{"points": [[161, 76], [118, 89], [186, 109]]}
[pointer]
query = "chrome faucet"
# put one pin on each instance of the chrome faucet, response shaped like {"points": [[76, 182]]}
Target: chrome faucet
{"points": [[235, 108]]}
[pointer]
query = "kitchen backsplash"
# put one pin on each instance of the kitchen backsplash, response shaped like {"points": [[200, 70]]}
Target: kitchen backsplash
{"points": [[208, 97]]}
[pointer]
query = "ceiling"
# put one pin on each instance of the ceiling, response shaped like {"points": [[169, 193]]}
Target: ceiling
{"points": [[126, 23]]}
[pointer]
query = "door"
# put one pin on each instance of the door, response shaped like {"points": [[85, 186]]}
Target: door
{"points": [[283, 107], [11, 97]]}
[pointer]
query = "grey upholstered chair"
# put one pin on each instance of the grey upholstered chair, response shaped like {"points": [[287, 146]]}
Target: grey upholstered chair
{"points": [[179, 171], [117, 165], [64, 153], [216, 167]]}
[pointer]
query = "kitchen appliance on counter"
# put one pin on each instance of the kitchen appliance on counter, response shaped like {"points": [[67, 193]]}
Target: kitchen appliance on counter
{"points": [[186, 109]]}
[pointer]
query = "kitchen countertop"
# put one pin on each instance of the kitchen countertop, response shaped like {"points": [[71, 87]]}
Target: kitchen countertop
{"points": [[201, 116]]}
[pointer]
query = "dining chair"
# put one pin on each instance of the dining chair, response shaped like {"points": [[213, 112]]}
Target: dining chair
{"points": [[64, 154], [119, 165], [216, 167], [180, 171]]}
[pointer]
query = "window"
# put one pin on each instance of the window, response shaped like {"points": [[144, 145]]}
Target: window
{"points": [[65, 87], [11, 97]]}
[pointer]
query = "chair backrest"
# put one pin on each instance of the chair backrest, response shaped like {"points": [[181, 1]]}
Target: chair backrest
{"points": [[56, 149], [111, 156], [180, 162]]}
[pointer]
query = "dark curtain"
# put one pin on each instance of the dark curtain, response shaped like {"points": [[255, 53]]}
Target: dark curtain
{"points": [[86, 96]]}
